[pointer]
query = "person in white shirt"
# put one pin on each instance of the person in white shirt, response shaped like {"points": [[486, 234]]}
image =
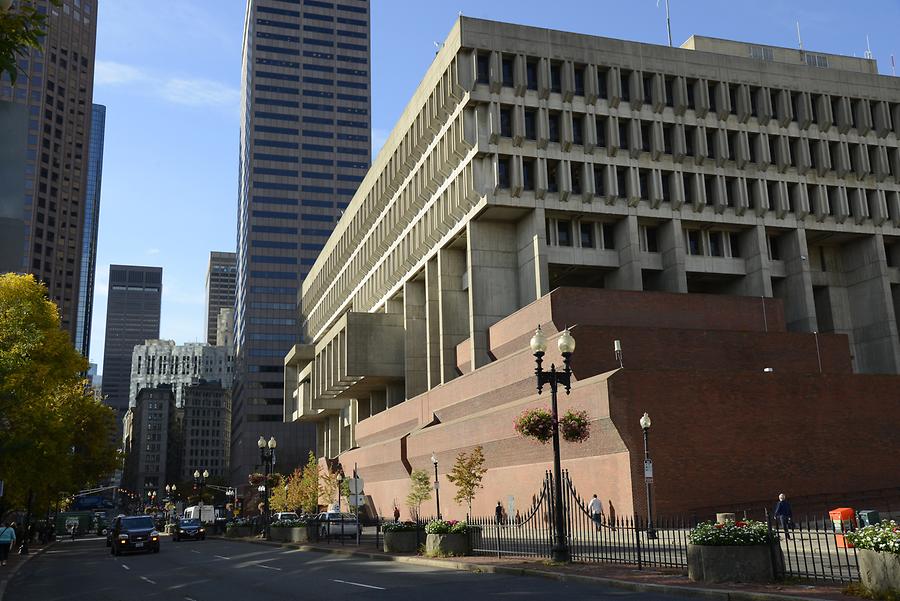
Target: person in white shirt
{"points": [[596, 509]]}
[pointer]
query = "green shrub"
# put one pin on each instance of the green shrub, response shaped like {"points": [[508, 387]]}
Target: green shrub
{"points": [[883, 537], [739, 533], [445, 527], [400, 527]]}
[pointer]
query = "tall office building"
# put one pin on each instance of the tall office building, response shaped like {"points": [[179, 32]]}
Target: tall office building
{"points": [[220, 282], [157, 362], [91, 227], [44, 191], [132, 316], [304, 149]]}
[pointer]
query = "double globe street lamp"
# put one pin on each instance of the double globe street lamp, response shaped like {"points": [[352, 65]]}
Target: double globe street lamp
{"points": [[267, 458], [554, 378], [648, 474]]}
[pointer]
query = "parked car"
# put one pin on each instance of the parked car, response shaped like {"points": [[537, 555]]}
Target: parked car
{"points": [[330, 524], [285, 515], [134, 533], [189, 528]]}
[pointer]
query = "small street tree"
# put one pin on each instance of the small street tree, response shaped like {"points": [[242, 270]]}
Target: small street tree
{"points": [[419, 491], [328, 487], [467, 474], [309, 485]]}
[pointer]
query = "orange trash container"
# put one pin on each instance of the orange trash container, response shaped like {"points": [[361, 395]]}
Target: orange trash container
{"points": [[844, 520]]}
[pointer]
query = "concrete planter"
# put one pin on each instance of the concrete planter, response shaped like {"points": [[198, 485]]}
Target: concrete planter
{"points": [[239, 531], [710, 563], [447, 544], [879, 572], [402, 542], [302, 534]]}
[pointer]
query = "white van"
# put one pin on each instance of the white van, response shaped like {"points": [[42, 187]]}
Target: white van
{"points": [[205, 513]]}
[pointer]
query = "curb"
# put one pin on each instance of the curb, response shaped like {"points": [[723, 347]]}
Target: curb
{"points": [[19, 565], [641, 587]]}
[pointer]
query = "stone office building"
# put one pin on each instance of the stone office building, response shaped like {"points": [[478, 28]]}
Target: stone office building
{"points": [[530, 160]]}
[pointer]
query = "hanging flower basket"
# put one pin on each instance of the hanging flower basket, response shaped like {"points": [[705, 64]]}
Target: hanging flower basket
{"points": [[537, 423], [257, 479]]}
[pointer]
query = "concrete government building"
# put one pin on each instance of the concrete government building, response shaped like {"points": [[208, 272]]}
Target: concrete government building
{"points": [[729, 211]]}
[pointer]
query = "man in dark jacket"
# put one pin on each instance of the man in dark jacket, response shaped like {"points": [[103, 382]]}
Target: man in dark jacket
{"points": [[783, 516]]}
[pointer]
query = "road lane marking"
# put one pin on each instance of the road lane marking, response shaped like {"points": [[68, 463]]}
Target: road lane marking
{"points": [[189, 599], [221, 557], [259, 565], [145, 579], [126, 567], [195, 551], [360, 584]]}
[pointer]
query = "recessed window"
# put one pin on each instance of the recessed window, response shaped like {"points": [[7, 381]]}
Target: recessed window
{"points": [[648, 239], [693, 243], [579, 80], [555, 77], [531, 77], [506, 122], [564, 232], [578, 129], [483, 66], [586, 229], [506, 68], [598, 180], [503, 167], [528, 174], [552, 176], [531, 124], [576, 178], [554, 130]]}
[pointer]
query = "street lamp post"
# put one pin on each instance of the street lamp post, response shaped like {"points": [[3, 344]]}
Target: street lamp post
{"points": [[200, 483], [437, 485], [267, 458], [173, 496], [553, 378], [648, 474]]}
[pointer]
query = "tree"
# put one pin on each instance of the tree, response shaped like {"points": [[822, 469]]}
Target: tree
{"points": [[278, 501], [21, 29], [328, 486], [467, 474], [419, 491], [55, 435], [308, 494]]}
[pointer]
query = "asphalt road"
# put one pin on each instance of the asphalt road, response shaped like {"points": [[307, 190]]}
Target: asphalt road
{"points": [[222, 570]]}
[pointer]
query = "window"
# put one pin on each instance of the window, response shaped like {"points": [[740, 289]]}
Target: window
{"points": [[483, 66], [531, 124], [667, 138], [579, 80], [623, 84], [554, 130], [528, 174], [734, 245], [817, 60], [506, 122], [600, 123], [531, 78], [552, 176], [503, 166], [578, 129], [586, 228], [648, 239], [762, 53], [692, 242], [555, 77], [608, 231], [647, 82], [715, 244], [598, 180], [506, 70], [576, 170], [621, 182], [601, 82], [564, 232]]}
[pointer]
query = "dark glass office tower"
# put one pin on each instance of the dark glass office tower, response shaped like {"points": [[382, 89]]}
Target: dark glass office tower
{"points": [[220, 283], [304, 148], [132, 316], [55, 88], [91, 223]]}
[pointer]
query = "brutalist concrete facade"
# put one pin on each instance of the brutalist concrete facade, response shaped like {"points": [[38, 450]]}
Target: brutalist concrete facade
{"points": [[531, 159]]}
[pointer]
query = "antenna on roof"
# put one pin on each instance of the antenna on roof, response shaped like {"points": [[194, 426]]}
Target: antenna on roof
{"points": [[868, 54], [799, 39], [893, 67], [668, 22]]}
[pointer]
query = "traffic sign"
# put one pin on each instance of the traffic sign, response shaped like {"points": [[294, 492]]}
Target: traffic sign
{"points": [[648, 468], [357, 500], [355, 485]]}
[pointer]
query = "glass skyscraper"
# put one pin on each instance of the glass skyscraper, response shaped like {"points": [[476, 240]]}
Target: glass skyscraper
{"points": [[91, 223], [304, 149]]}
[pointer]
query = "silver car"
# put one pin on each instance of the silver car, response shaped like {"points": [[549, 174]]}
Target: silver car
{"points": [[330, 524]]}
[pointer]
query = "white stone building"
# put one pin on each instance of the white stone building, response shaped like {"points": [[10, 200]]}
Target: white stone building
{"points": [[164, 362]]}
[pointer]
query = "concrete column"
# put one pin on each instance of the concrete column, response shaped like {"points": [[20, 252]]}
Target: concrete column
{"points": [[799, 303], [453, 306], [493, 267], [671, 245], [416, 343], [433, 320], [534, 277], [875, 344], [628, 245], [752, 248]]}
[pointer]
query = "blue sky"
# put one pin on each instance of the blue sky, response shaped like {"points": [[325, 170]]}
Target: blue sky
{"points": [[169, 74]]}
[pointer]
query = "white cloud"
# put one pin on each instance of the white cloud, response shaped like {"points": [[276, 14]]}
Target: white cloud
{"points": [[109, 73], [199, 92]]}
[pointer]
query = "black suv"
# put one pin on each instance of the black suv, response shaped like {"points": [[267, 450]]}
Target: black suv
{"points": [[188, 528], [134, 533]]}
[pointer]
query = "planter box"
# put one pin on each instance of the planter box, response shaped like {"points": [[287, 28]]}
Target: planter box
{"points": [[710, 563], [303, 534], [239, 531], [447, 544], [879, 572], [402, 542]]}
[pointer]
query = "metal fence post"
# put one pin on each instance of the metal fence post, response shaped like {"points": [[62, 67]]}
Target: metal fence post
{"points": [[637, 540], [498, 538]]}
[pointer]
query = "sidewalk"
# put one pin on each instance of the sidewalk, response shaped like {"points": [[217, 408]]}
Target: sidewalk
{"points": [[16, 561], [654, 580]]}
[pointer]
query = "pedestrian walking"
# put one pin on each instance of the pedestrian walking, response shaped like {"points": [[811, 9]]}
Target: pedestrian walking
{"points": [[498, 512], [396, 513], [7, 540], [73, 531], [596, 509], [783, 515], [612, 516]]}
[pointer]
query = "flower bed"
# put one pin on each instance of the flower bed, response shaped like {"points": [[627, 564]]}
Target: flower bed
{"points": [[294, 531], [879, 557], [402, 537], [239, 528], [732, 551], [447, 538]]}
